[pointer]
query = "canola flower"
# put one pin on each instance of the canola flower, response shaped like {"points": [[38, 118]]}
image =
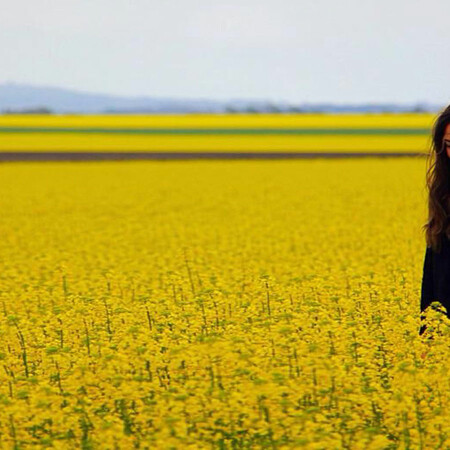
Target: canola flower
{"points": [[245, 304]]}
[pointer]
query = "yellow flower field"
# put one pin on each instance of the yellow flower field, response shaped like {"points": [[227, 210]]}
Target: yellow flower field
{"points": [[217, 133], [190, 305]]}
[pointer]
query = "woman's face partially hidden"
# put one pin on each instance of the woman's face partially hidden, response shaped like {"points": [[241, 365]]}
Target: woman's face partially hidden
{"points": [[447, 139]]}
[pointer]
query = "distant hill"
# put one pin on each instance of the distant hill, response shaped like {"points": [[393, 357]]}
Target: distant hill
{"points": [[16, 98]]}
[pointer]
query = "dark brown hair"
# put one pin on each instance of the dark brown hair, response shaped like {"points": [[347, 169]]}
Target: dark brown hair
{"points": [[438, 184]]}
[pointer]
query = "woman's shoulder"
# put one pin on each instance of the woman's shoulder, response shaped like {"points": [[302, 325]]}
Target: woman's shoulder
{"points": [[443, 244], [443, 249]]}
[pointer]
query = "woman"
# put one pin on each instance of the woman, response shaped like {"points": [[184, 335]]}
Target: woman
{"points": [[436, 268]]}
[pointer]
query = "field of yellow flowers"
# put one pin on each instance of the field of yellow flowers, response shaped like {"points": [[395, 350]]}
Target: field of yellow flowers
{"points": [[218, 133], [245, 304]]}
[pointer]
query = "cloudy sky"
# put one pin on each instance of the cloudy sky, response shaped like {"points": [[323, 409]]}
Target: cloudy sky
{"points": [[292, 50]]}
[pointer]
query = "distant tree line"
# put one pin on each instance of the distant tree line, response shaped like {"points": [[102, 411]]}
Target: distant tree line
{"points": [[39, 110], [268, 108]]}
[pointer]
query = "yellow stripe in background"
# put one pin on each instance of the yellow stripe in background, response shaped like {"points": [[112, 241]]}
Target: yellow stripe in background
{"points": [[223, 120], [97, 142], [107, 142]]}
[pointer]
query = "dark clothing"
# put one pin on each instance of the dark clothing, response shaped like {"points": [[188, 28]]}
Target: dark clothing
{"points": [[436, 278]]}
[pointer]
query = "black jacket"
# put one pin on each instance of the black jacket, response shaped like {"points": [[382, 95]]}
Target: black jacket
{"points": [[436, 278]]}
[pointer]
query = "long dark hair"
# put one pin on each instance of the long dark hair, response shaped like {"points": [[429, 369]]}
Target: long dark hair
{"points": [[438, 184]]}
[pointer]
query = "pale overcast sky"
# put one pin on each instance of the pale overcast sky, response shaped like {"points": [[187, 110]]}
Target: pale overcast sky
{"points": [[292, 50]]}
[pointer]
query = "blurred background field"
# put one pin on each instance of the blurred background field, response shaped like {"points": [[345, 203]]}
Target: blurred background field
{"points": [[355, 133]]}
